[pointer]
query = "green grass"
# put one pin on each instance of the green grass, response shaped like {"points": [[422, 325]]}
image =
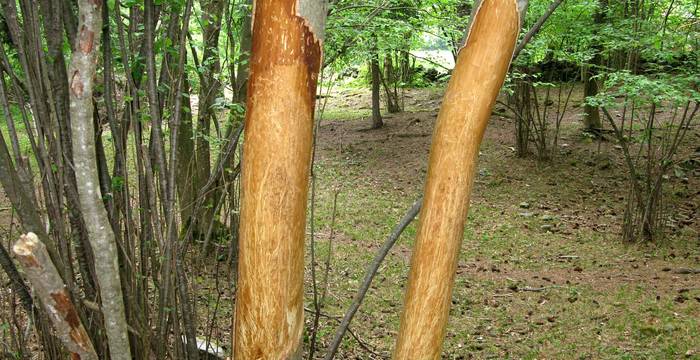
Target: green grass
{"points": [[345, 114], [22, 138]]}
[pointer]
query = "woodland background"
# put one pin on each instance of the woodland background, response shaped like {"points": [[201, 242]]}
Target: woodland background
{"points": [[583, 238]]}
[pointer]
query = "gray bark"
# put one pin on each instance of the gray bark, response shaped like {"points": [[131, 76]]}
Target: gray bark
{"points": [[80, 76], [314, 12]]}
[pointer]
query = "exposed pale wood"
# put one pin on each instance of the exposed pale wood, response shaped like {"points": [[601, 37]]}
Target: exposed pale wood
{"points": [[285, 62], [477, 78], [50, 289]]}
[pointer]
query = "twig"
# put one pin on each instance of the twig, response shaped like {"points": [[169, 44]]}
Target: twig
{"points": [[362, 344], [502, 295], [49, 287], [427, 60], [369, 276], [351, 40], [326, 276], [533, 289], [536, 28]]}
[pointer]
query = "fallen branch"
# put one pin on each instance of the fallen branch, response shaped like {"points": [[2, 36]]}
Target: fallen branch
{"points": [[533, 289], [49, 287], [687, 271]]}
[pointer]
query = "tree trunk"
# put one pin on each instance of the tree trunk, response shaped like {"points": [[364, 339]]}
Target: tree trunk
{"points": [[406, 68], [185, 156], [392, 96], [377, 121], [285, 63], [477, 78], [210, 89], [244, 58], [81, 79], [591, 114]]}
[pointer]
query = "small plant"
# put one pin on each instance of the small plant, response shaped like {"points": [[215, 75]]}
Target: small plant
{"points": [[538, 113], [649, 143]]}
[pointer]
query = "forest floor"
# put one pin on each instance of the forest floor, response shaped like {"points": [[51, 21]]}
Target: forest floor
{"points": [[543, 272], [553, 227]]}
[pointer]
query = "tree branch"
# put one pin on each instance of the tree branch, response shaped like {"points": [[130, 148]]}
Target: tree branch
{"points": [[49, 287], [536, 28]]}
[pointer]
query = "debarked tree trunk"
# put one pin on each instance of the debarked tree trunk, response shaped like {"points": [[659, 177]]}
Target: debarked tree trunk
{"points": [[481, 68], [285, 64]]}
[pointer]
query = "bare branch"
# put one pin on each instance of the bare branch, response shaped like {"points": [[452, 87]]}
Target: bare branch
{"points": [[536, 28]]}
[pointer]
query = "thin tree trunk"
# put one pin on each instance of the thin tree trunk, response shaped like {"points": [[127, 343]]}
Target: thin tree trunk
{"points": [[17, 284], [285, 63], [244, 57], [591, 114], [157, 146], [377, 121], [536, 28], [478, 76], [81, 74], [370, 273], [389, 82], [209, 90], [185, 156]]}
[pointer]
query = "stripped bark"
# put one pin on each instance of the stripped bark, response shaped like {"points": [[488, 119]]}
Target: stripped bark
{"points": [[50, 288], [285, 63], [102, 240], [477, 78]]}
